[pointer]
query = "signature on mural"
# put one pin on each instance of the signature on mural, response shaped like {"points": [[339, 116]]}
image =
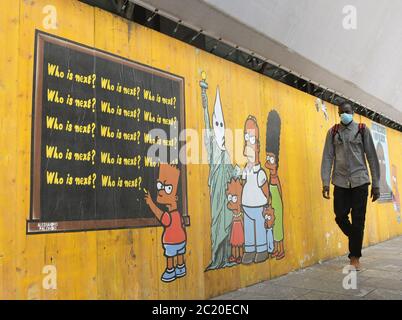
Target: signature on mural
{"points": [[174, 233], [246, 205]]}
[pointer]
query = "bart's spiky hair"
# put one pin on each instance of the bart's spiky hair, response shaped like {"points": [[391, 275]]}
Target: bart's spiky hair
{"points": [[170, 171], [234, 184], [273, 134]]}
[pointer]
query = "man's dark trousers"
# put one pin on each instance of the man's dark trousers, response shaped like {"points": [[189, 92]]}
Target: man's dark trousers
{"points": [[355, 199]]}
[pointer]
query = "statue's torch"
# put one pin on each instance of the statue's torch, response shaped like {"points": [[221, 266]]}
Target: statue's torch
{"points": [[204, 87]]}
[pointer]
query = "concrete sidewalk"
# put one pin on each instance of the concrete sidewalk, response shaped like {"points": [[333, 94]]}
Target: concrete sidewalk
{"points": [[379, 279]]}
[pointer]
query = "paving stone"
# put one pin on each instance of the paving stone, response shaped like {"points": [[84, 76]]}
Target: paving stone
{"points": [[299, 281], [384, 264], [380, 278], [382, 274], [326, 274], [321, 295], [383, 283], [384, 294], [270, 291]]}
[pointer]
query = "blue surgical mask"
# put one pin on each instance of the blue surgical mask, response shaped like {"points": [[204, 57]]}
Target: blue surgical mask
{"points": [[346, 118]]}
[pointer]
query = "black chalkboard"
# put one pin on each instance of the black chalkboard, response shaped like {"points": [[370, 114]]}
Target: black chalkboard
{"points": [[94, 120]]}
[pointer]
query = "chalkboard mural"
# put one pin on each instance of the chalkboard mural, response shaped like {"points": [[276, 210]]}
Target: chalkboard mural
{"points": [[95, 118]]}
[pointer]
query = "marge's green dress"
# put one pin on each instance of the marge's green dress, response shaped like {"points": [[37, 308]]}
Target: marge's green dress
{"points": [[277, 206]]}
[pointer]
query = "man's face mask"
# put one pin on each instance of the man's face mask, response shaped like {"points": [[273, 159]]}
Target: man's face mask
{"points": [[346, 118]]}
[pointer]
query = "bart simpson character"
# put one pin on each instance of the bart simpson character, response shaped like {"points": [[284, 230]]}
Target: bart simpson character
{"points": [[174, 234], [233, 192]]}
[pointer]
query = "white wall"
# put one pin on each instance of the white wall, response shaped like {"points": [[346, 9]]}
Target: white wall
{"points": [[308, 37]]}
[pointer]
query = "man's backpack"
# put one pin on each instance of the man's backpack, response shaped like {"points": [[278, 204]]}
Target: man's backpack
{"points": [[335, 131]]}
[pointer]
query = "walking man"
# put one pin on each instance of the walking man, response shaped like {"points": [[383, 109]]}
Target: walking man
{"points": [[347, 146]]}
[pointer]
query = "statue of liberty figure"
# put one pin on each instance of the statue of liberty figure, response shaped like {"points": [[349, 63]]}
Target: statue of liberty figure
{"points": [[221, 171]]}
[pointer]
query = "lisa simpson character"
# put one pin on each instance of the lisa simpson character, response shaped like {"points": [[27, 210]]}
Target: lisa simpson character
{"points": [[233, 192], [174, 234]]}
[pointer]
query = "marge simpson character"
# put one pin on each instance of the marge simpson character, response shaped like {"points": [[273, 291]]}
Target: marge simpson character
{"points": [[273, 134], [174, 234], [221, 171]]}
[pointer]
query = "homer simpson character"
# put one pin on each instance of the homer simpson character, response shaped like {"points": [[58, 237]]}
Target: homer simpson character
{"points": [[254, 197], [174, 234]]}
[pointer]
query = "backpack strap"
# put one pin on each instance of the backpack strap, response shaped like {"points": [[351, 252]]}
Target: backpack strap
{"points": [[335, 130], [362, 129]]}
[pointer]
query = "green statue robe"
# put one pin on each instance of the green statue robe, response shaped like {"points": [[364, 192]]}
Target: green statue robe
{"points": [[220, 172]]}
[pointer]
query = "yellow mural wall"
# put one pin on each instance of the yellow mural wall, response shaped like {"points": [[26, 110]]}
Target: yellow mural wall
{"points": [[126, 264]]}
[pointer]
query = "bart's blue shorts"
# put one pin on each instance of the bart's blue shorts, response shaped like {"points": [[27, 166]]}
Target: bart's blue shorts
{"points": [[172, 250]]}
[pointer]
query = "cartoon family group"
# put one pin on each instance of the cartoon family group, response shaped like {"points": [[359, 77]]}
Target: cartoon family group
{"points": [[246, 205], [261, 198], [256, 201]]}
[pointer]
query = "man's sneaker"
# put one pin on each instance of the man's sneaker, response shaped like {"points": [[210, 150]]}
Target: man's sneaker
{"points": [[180, 271], [169, 275]]}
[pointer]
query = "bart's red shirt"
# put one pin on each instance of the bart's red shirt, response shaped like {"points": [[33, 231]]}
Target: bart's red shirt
{"points": [[174, 232]]}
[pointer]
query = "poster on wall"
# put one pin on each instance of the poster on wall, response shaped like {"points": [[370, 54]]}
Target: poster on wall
{"points": [[95, 118], [379, 133]]}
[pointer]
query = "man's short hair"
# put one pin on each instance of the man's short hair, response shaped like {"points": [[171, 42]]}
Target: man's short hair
{"points": [[345, 103]]}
